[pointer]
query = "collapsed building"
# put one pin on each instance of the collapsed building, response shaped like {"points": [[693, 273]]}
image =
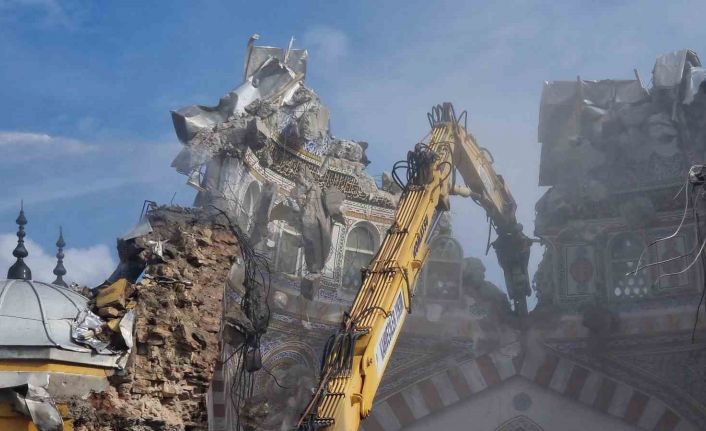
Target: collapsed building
{"points": [[616, 158], [233, 300], [615, 342], [53, 347], [266, 156], [129, 354], [217, 315]]}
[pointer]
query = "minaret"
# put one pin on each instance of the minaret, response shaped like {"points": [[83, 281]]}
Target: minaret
{"points": [[19, 270], [59, 269]]}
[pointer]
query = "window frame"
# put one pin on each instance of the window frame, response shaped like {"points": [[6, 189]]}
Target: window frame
{"points": [[285, 229], [422, 290], [376, 242], [245, 215]]}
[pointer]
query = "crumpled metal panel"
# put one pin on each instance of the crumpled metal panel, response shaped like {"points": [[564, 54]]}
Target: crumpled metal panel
{"points": [[189, 120], [44, 414], [609, 91], [87, 326], [189, 158], [296, 60], [36, 403], [126, 326], [273, 78], [84, 330], [669, 68], [40, 315], [29, 397], [694, 79], [140, 229]]}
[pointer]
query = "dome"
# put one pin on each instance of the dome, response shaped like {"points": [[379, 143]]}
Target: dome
{"points": [[36, 320], [36, 314]]}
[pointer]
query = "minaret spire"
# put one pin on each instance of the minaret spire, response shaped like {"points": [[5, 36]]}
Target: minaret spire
{"points": [[19, 270], [59, 269]]}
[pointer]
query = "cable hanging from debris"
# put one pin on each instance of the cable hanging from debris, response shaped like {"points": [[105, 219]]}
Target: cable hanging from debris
{"points": [[255, 305], [639, 268], [274, 378], [695, 178]]}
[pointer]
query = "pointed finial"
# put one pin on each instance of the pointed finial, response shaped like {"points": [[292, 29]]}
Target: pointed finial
{"points": [[59, 269], [19, 270]]}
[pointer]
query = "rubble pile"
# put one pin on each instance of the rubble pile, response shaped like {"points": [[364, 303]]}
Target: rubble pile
{"points": [[283, 112], [603, 138], [178, 310]]}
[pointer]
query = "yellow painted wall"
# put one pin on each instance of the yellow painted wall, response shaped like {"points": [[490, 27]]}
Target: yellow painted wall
{"points": [[53, 367]]}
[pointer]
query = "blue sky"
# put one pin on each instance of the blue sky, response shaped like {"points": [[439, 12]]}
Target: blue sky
{"points": [[86, 88]]}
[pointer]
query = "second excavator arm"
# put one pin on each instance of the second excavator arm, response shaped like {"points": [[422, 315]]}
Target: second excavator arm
{"points": [[355, 357]]}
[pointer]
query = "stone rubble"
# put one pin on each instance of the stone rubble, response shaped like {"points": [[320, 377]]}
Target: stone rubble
{"points": [[178, 306]]}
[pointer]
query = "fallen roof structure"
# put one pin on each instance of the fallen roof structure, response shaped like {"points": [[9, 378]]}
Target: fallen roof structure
{"points": [[53, 348]]}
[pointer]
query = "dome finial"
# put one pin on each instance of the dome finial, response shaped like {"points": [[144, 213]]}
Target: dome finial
{"points": [[19, 270], [59, 269]]}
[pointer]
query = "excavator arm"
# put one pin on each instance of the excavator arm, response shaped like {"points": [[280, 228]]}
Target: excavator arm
{"points": [[356, 356], [489, 190]]}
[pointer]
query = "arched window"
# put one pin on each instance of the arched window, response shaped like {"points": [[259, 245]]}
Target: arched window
{"points": [[443, 269], [625, 250], [290, 254], [247, 206], [361, 244]]}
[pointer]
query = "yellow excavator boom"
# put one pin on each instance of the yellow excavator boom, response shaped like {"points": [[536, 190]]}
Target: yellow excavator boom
{"points": [[356, 356]]}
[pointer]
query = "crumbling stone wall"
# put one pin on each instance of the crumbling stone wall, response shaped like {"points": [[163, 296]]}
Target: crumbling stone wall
{"points": [[178, 317]]}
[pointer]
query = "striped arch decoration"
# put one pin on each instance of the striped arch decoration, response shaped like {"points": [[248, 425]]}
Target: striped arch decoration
{"points": [[548, 370], [520, 423], [440, 391]]}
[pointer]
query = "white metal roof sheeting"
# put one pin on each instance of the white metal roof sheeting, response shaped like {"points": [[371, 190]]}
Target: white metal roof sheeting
{"points": [[36, 314]]}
